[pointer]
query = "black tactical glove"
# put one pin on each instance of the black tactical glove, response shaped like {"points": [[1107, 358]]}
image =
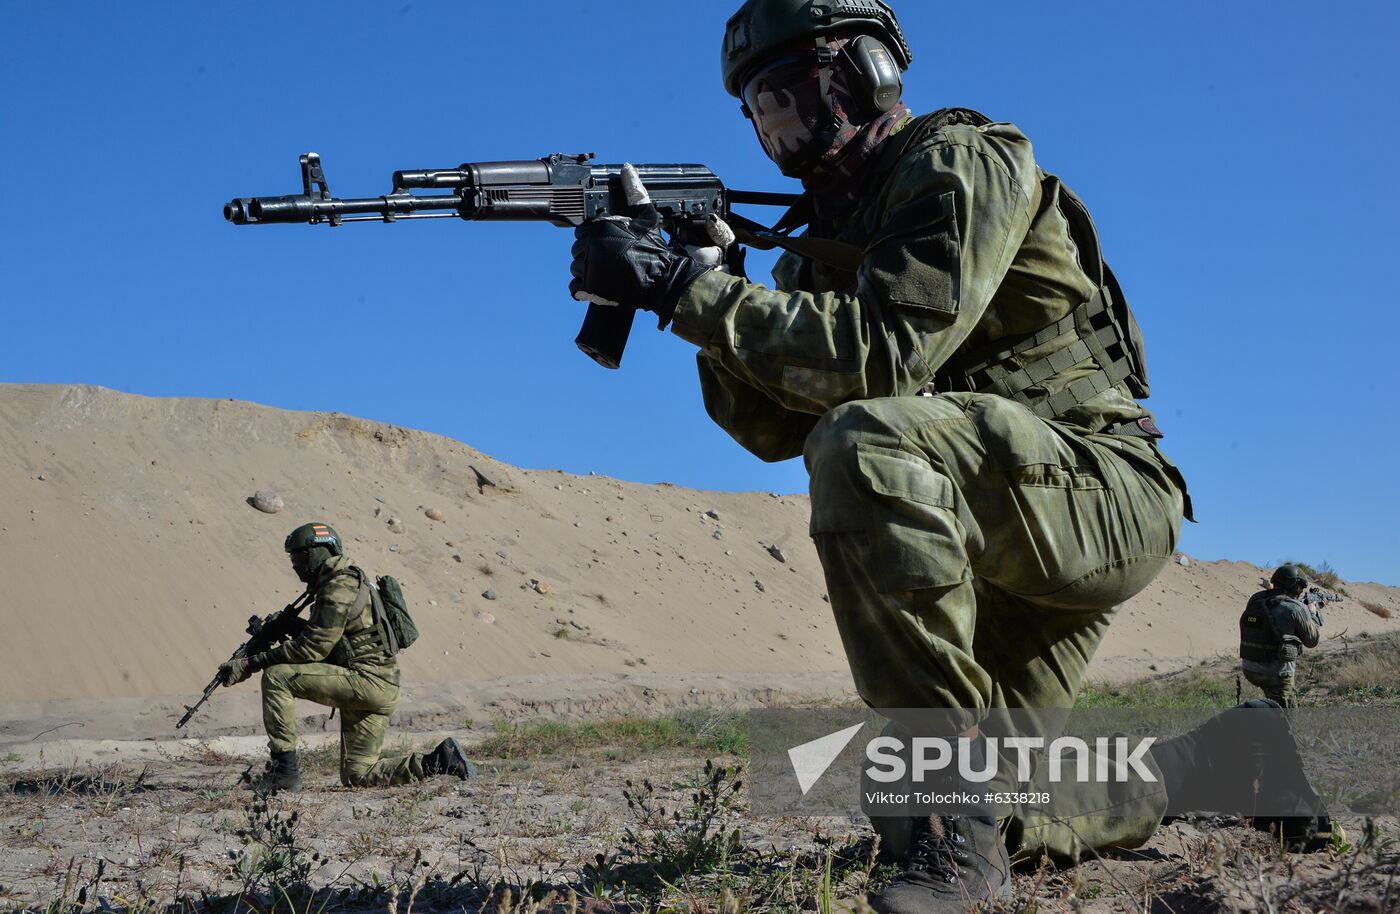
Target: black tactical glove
{"points": [[236, 670], [626, 262]]}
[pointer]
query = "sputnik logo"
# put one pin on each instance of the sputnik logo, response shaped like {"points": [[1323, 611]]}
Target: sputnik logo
{"points": [[810, 760]]}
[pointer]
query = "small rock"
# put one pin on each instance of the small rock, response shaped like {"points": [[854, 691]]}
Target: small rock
{"points": [[759, 586], [502, 554], [450, 545], [1183, 560], [539, 586], [486, 617], [434, 514], [717, 535], [712, 514], [41, 478], [776, 553], [432, 602], [395, 525], [379, 498], [826, 599], [489, 594], [457, 559], [393, 547], [265, 500]]}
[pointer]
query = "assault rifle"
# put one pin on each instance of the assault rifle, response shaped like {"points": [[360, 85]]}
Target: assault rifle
{"points": [[564, 190], [263, 633]]}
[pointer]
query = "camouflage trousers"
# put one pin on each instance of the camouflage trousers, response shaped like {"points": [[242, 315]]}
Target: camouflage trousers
{"points": [[974, 556], [365, 701], [1276, 686]]}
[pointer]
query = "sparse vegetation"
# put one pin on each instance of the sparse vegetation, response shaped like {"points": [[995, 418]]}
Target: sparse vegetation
{"points": [[1376, 609], [614, 816], [1374, 667], [1324, 575], [707, 732], [1195, 688]]}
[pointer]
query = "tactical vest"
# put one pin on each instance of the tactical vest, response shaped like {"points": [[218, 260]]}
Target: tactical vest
{"points": [[1260, 639], [1102, 327], [364, 639]]}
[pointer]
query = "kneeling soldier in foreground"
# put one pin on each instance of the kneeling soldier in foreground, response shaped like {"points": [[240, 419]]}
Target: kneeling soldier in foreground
{"points": [[342, 657]]}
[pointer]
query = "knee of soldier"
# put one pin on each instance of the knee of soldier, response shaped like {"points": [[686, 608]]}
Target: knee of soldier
{"points": [[882, 422], [276, 677], [833, 449], [834, 437]]}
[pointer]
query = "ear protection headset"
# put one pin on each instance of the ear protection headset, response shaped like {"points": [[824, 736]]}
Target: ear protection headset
{"points": [[877, 77], [877, 83]]}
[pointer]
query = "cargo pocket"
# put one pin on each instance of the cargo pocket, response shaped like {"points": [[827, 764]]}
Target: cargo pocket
{"points": [[899, 517], [913, 262]]}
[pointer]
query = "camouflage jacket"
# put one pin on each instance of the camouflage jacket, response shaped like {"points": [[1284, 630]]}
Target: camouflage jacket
{"points": [[335, 632], [964, 244]]}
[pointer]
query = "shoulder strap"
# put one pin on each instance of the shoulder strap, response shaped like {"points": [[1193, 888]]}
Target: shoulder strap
{"points": [[369, 590]]}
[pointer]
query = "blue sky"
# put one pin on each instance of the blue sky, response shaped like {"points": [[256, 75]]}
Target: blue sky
{"points": [[1237, 157]]}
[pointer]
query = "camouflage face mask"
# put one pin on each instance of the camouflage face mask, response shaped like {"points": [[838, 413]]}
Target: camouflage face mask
{"points": [[788, 110], [792, 116]]}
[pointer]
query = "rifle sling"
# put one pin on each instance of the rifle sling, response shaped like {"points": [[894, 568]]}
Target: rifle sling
{"points": [[836, 254]]}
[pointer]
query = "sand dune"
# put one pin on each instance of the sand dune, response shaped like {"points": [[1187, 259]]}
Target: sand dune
{"points": [[132, 559]]}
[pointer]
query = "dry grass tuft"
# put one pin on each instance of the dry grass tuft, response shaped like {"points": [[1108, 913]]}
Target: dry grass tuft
{"points": [[1374, 667], [1376, 609]]}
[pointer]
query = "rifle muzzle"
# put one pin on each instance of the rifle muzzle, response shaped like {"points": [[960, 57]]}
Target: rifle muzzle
{"points": [[252, 210]]}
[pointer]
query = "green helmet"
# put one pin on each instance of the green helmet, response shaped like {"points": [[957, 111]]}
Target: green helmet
{"points": [[314, 534], [1288, 578], [763, 28]]}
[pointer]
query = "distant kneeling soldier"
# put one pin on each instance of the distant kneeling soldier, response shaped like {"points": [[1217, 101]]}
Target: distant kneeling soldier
{"points": [[1274, 629], [342, 656]]}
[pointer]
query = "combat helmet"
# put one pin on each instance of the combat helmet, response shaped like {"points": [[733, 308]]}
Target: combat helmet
{"points": [[762, 29], [313, 534], [1288, 578]]}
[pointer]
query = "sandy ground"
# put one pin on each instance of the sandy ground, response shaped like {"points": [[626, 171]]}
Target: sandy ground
{"points": [[132, 559], [176, 826]]}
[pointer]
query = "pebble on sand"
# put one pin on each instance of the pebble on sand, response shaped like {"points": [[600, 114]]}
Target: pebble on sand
{"points": [[434, 514], [267, 501], [489, 594]]}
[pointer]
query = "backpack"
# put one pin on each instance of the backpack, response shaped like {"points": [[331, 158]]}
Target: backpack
{"points": [[390, 612]]}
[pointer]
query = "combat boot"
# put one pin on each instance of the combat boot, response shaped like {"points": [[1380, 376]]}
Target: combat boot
{"points": [[954, 862], [448, 758], [281, 775], [1243, 760]]}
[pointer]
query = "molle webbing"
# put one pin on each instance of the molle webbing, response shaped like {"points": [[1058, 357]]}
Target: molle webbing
{"points": [[372, 639], [1102, 328], [999, 369]]}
